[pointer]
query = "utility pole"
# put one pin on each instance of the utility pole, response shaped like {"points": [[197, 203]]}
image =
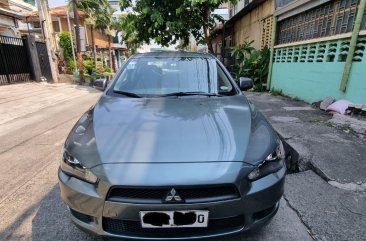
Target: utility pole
{"points": [[78, 44], [46, 23], [110, 50]]}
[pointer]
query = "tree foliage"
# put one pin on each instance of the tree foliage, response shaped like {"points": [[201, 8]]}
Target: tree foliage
{"points": [[167, 22], [99, 13]]}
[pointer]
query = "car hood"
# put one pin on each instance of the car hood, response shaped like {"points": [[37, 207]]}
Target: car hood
{"points": [[167, 130]]}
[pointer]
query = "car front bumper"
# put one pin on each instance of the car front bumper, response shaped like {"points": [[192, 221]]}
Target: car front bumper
{"points": [[92, 213]]}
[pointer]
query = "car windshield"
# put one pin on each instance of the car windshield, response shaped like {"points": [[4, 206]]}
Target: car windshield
{"points": [[153, 76]]}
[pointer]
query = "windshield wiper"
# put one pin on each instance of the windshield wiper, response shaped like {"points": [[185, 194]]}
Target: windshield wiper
{"points": [[189, 93], [129, 94]]}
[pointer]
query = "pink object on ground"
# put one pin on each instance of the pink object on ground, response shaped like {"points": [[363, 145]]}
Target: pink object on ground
{"points": [[339, 106]]}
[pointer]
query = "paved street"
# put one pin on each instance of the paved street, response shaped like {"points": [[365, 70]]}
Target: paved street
{"points": [[35, 119]]}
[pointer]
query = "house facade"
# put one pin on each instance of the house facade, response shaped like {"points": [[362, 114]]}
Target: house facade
{"points": [[248, 20], [311, 42], [12, 16], [252, 21], [60, 24], [313, 54], [60, 17]]}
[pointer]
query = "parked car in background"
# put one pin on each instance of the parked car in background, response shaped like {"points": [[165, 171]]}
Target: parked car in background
{"points": [[172, 150]]}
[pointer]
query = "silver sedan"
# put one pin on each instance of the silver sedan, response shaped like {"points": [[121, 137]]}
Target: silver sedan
{"points": [[172, 150]]}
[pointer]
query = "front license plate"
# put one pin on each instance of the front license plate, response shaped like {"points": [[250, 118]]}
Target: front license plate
{"points": [[174, 219]]}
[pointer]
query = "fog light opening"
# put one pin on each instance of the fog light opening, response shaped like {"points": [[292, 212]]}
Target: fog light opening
{"points": [[81, 216], [264, 213]]}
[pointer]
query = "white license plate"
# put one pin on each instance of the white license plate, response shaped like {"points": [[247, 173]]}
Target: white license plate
{"points": [[174, 219]]}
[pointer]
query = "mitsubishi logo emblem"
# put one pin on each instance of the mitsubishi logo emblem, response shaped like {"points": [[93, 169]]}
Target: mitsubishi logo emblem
{"points": [[173, 196]]}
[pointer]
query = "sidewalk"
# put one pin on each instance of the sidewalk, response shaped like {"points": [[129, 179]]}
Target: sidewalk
{"points": [[335, 154], [329, 192]]}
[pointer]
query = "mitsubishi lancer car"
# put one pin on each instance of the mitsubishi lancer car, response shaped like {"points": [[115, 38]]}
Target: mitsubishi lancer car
{"points": [[172, 150]]}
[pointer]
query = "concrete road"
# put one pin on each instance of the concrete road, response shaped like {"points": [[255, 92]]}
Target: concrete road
{"points": [[35, 119]]}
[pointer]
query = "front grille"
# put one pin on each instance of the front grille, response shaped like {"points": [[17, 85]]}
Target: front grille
{"points": [[82, 217], [196, 194], [133, 228]]}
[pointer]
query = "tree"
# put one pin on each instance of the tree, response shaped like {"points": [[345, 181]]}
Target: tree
{"points": [[99, 14], [167, 21], [120, 25], [104, 22]]}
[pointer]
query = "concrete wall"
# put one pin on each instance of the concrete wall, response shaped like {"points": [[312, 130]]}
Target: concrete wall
{"points": [[6, 23], [249, 27], [314, 81]]}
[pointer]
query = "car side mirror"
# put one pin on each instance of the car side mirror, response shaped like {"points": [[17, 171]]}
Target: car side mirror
{"points": [[245, 83], [101, 83]]}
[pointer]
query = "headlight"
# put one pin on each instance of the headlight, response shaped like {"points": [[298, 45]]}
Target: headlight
{"points": [[71, 166], [271, 164]]}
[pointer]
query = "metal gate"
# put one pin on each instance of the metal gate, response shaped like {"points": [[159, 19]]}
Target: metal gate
{"points": [[43, 60], [14, 65]]}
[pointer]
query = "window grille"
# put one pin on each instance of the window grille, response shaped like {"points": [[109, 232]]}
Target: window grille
{"points": [[332, 18]]}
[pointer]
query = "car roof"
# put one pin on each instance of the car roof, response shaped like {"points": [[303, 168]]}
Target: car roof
{"points": [[174, 54]]}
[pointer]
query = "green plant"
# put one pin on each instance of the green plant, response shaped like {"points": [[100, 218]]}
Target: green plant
{"points": [[107, 69], [100, 68], [108, 74], [279, 92], [65, 44], [316, 121], [252, 63], [89, 67], [241, 53], [71, 64], [276, 92]]}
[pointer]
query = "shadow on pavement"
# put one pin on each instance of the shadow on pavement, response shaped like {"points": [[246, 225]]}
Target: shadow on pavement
{"points": [[52, 221], [8, 234]]}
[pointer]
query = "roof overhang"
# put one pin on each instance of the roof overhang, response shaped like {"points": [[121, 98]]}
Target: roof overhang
{"points": [[296, 7], [10, 13], [58, 12], [244, 11]]}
